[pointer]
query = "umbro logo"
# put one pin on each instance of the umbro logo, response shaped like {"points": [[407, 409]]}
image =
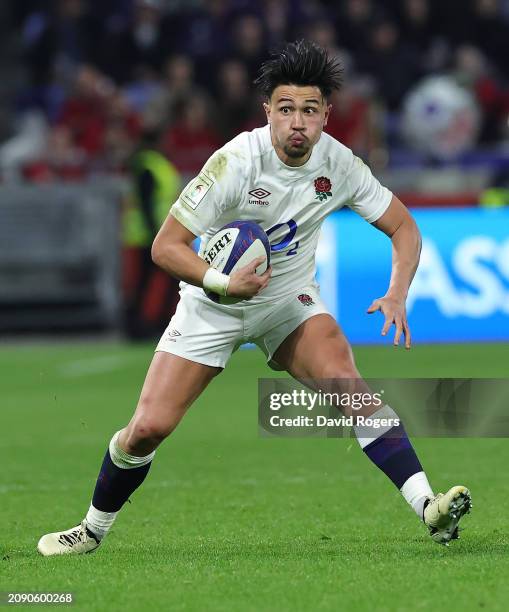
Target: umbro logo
{"points": [[259, 194], [173, 332]]}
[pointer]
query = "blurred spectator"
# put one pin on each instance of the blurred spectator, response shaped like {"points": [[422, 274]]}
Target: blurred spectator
{"points": [[143, 88], [204, 35], [96, 133], [323, 33], [496, 195], [278, 17], [122, 133], [192, 139], [235, 99], [150, 293], [26, 145], [351, 120], [47, 98], [422, 30], [177, 85], [146, 40], [286, 19], [61, 161], [354, 20], [393, 66], [100, 121], [59, 39], [257, 117], [84, 112], [491, 32], [452, 20], [417, 28], [248, 43], [474, 72]]}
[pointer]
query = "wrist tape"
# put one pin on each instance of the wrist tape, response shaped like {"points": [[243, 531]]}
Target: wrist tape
{"points": [[216, 281]]}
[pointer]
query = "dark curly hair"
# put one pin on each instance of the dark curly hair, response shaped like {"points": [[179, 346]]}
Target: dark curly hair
{"points": [[300, 63]]}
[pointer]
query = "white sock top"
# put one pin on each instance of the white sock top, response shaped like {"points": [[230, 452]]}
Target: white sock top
{"points": [[123, 460]]}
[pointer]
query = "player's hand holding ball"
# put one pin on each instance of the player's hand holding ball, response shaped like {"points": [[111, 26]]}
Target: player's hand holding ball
{"points": [[239, 259], [247, 282]]}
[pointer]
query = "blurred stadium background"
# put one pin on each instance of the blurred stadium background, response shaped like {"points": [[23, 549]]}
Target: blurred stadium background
{"points": [[106, 110], [93, 93]]}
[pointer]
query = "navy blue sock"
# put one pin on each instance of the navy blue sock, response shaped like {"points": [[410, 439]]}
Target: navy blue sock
{"points": [[393, 453], [115, 485]]}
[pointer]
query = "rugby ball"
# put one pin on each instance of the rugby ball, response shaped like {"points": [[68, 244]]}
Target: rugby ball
{"points": [[234, 246]]}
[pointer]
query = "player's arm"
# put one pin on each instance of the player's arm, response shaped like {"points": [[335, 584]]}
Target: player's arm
{"points": [[172, 251], [397, 223]]}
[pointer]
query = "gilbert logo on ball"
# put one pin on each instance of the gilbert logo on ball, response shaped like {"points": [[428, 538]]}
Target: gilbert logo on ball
{"points": [[234, 246]]}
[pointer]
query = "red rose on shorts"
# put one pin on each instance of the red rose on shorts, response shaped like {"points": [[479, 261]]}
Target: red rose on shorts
{"points": [[305, 299], [323, 188]]}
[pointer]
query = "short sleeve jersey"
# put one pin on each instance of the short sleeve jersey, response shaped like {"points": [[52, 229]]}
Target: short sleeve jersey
{"points": [[246, 180]]}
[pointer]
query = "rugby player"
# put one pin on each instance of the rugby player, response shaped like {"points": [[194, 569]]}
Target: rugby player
{"points": [[287, 176]]}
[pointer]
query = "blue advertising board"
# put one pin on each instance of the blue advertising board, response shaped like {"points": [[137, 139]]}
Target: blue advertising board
{"points": [[461, 288]]}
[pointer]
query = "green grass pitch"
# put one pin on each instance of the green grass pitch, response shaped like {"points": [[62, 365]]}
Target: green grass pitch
{"points": [[228, 520]]}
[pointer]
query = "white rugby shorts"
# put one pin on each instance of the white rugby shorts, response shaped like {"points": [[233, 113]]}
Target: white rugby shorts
{"points": [[208, 333]]}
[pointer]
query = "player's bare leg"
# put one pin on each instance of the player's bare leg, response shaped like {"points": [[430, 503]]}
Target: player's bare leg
{"points": [[318, 353], [171, 386], [319, 350]]}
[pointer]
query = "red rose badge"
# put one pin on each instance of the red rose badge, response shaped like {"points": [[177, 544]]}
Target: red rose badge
{"points": [[305, 299], [323, 188]]}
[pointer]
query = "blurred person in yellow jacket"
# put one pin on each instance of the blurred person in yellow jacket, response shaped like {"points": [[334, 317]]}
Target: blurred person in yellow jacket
{"points": [[496, 195], [150, 295]]}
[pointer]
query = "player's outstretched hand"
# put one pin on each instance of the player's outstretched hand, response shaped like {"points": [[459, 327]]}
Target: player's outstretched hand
{"points": [[394, 312], [246, 283]]}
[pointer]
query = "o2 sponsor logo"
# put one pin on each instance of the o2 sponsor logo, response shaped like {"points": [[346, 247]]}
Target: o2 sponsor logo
{"points": [[287, 241]]}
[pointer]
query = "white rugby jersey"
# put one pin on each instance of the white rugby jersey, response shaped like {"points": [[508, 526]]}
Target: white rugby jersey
{"points": [[246, 180]]}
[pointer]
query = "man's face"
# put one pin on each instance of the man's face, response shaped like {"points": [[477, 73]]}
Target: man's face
{"points": [[297, 115]]}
